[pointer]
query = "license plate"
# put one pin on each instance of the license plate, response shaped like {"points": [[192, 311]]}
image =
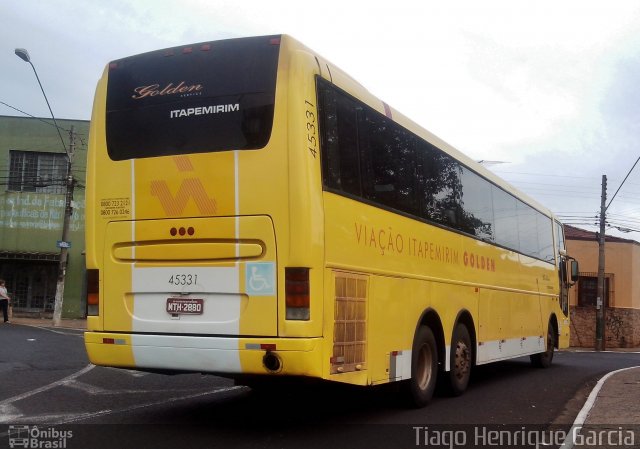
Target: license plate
{"points": [[185, 306]]}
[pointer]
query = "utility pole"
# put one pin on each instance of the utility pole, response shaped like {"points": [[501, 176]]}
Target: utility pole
{"points": [[600, 301], [64, 244]]}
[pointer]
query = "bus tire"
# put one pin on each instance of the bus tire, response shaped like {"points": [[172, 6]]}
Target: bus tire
{"points": [[461, 360], [424, 368], [544, 359]]}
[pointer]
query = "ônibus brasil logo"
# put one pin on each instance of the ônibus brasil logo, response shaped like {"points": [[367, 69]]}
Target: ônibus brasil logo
{"points": [[33, 437]]}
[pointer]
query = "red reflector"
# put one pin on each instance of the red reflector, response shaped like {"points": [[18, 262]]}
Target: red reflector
{"points": [[298, 301], [297, 287], [205, 47], [168, 53], [275, 41], [113, 65], [268, 347], [187, 50], [108, 341], [93, 291], [93, 281]]}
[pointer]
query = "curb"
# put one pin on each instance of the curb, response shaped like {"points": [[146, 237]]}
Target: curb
{"points": [[591, 402]]}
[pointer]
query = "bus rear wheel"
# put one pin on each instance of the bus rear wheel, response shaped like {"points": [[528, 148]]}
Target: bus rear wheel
{"points": [[544, 359], [461, 360], [424, 368]]}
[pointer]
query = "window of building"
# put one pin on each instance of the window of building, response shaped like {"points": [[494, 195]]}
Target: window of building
{"points": [[32, 171], [31, 282], [588, 290]]}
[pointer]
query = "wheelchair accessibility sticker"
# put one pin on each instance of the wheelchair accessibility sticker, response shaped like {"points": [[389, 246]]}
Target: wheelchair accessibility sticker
{"points": [[260, 278]]}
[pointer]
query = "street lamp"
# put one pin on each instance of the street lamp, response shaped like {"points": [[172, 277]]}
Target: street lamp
{"points": [[24, 55], [62, 265]]}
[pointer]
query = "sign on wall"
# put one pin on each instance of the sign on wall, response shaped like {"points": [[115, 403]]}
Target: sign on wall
{"points": [[38, 211]]}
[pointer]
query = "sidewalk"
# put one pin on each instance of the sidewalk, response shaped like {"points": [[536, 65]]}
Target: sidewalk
{"points": [[611, 415], [618, 402], [78, 324]]}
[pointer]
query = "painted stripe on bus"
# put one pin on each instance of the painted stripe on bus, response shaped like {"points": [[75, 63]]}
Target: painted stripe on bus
{"points": [[491, 351], [187, 354]]}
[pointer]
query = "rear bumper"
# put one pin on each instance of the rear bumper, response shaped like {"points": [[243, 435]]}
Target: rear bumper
{"points": [[222, 355]]}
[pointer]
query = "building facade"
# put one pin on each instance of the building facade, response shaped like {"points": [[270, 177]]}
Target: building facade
{"points": [[34, 171], [622, 290]]}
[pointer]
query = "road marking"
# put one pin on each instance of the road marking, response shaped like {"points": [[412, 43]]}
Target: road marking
{"points": [[50, 419], [11, 414], [67, 379], [8, 413], [84, 416], [586, 409], [606, 352], [75, 334], [94, 390], [130, 372]]}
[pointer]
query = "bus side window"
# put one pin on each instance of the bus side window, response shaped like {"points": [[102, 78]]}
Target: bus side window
{"points": [[339, 118], [440, 179], [563, 271], [388, 156]]}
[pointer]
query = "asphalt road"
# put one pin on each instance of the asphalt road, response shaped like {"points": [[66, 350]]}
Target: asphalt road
{"points": [[47, 381]]}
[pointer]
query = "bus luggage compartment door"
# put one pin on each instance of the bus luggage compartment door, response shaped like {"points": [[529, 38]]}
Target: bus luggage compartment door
{"points": [[191, 276]]}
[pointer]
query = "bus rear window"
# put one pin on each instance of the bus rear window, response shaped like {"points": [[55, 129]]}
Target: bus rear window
{"points": [[205, 97]]}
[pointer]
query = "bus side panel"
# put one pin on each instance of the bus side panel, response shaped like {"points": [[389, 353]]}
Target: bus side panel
{"points": [[564, 330], [500, 291], [109, 197], [394, 302], [302, 239], [92, 205], [494, 318]]}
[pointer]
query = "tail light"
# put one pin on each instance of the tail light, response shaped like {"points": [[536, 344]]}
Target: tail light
{"points": [[93, 289], [297, 293]]}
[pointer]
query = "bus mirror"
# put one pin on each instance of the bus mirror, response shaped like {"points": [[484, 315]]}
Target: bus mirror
{"points": [[575, 272]]}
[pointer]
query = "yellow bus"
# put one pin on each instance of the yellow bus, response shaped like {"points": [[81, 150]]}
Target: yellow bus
{"points": [[254, 211]]}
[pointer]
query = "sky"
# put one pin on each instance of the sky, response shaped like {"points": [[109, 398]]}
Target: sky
{"points": [[547, 93]]}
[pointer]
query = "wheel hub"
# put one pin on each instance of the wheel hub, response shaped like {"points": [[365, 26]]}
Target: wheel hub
{"points": [[462, 362]]}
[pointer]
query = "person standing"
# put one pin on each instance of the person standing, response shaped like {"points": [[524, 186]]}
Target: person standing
{"points": [[4, 301]]}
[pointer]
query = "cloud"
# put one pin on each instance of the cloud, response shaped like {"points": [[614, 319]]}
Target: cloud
{"points": [[548, 86]]}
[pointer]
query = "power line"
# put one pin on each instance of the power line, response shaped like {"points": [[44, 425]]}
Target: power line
{"points": [[542, 174], [623, 181], [43, 120]]}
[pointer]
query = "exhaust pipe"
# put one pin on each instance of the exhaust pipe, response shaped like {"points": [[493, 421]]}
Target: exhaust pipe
{"points": [[272, 362]]}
